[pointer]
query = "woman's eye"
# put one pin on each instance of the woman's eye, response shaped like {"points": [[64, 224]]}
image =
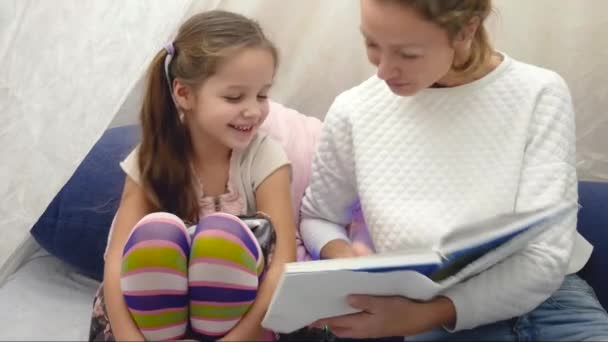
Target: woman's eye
{"points": [[233, 98]]}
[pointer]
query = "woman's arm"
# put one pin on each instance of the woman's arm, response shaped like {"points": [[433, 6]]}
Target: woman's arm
{"points": [[133, 206], [526, 279], [273, 197], [329, 199]]}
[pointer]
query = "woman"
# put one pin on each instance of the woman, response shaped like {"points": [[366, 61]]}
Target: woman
{"points": [[450, 131]]}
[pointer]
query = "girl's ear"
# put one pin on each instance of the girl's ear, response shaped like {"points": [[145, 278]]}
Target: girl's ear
{"points": [[183, 95]]}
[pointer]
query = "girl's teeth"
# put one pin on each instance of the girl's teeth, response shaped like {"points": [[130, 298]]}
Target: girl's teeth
{"points": [[242, 128]]}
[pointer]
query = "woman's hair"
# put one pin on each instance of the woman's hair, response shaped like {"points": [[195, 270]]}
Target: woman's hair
{"points": [[202, 44], [453, 16]]}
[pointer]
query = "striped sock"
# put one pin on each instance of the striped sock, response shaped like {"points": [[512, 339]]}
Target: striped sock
{"points": [[154, 276], [226, 262]]}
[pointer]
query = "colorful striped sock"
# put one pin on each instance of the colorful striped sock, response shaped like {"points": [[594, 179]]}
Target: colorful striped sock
{"points": [[154, 276], [226, 262]]}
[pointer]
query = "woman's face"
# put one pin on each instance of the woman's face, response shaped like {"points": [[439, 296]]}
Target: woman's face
{"points": [[410, 52]]}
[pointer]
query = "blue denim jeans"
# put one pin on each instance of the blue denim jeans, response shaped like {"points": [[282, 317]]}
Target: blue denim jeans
{"points": [[572, 313]]}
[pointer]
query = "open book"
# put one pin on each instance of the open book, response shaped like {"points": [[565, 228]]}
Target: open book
{"points": [[311, 290]]}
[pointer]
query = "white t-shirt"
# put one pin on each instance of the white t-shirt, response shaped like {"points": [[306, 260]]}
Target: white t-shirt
{"points": [[248, 169]]}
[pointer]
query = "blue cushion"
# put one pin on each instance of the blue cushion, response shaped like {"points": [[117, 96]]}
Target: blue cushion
{"points": [[75, 225], [593, 225]]}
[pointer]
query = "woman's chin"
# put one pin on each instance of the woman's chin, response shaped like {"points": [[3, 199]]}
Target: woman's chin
{"points": [[403, 90]]}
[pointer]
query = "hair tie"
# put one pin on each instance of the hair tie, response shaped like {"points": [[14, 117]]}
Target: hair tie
{"points": [[170, 49]]}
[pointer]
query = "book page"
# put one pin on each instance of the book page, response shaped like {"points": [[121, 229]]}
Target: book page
{"points": [[424, 262], [303, 298], [510, 234], [496, 227]]}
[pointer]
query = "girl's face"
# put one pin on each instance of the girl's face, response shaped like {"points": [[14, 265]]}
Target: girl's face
{"points": [[229, 107], [410, 52]]}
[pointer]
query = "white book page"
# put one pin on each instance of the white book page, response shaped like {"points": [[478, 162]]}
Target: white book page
{"points": [[304, 298], [536, 224], [377, 261], [477, 233]]}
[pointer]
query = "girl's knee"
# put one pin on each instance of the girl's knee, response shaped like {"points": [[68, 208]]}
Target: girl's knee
{"points": [[161, 218], [228, 228], [158, 228]]}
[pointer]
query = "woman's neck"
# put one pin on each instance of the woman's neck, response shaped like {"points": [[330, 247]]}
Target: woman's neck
{"points": [[455, 78]]}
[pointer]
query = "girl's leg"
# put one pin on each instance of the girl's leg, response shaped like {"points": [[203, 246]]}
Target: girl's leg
{"points": [[154, 277], [226, 263]]}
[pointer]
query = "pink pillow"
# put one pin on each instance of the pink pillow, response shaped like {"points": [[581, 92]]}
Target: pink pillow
{"points": [[298, 133]]}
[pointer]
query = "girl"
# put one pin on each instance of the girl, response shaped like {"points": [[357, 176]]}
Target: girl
{"points": [[200, 161], [451, 131]]}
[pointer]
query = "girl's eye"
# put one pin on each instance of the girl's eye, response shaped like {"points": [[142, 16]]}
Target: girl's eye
{"points": [[408, 56]]}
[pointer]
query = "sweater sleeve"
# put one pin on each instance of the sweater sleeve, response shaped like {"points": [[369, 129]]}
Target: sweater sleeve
{"points": [[328, 198], [523, 281]]}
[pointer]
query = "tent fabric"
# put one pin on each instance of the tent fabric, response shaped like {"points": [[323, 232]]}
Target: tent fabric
{"points": [[67, 67], [70, 68]]}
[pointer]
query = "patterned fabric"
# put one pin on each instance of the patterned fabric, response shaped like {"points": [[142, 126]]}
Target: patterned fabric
{"points": [[232, 201], [168, 281], [100, 329], [154, 276], [225, 265]]}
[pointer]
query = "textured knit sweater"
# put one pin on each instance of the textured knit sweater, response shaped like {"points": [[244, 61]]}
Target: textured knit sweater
{"points": [[447, 156]]}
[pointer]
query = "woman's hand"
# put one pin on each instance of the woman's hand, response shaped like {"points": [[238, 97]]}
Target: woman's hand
{"points": [[389, 317], [361, 249], [336, 249]]}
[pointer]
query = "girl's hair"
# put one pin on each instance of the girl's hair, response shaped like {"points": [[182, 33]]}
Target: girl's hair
{"points": [[202, 44], [453, 16]]}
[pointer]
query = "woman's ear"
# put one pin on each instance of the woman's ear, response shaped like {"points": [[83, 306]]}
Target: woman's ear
{"points": [[465, 37], [183, 95]]}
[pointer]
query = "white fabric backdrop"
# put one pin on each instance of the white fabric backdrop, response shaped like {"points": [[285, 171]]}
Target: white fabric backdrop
{"points": [[569, 37], [68, 66]]}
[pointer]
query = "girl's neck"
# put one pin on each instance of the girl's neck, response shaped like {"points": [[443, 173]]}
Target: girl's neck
{"points": [[211, 166], [209, 151]]}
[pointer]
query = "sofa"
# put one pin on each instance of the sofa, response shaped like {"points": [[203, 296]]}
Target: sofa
{"points": [[75, 225]]}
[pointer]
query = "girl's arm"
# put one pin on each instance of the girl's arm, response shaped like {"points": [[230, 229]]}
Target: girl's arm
{"points": [[133, 206], [273, 197]]}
